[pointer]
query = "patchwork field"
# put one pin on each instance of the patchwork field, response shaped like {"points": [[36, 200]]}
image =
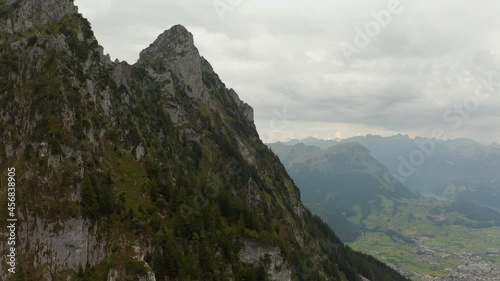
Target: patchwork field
{"points": [[428, 240]]}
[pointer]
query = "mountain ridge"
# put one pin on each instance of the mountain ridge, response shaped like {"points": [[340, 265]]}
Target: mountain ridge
{"points": [[372, 211], [147, 171], [334, 180], [455, 169]]}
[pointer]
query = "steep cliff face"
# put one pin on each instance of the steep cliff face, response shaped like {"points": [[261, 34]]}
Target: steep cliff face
{"points": [[151, 171], [19, 16]]}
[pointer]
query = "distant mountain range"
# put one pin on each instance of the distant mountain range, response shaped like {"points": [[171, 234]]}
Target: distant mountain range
{"points": [[334, 180], [459, 169], [345, 180], [370, 207]]}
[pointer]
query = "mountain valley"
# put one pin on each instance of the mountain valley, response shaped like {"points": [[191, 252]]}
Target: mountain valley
{"points": [[424, 238]]}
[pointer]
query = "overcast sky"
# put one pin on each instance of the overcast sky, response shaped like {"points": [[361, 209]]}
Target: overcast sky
{"points": [[334, 68]]}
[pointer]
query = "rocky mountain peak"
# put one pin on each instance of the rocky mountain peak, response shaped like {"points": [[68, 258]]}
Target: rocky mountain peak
{"points": [[20, 15], [174, 56], [174, 42], [117, 158], [178, 37]]}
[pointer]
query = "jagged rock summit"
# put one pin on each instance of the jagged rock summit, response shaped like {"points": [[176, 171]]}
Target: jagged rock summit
{"points": [[177, 40], [174, 56]]}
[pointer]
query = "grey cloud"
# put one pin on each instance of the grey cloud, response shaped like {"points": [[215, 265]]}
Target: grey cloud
{"points": [[285, 54]]}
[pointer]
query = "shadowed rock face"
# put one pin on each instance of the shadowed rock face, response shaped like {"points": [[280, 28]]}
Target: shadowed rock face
{"points": [[27, 14], [253, 253], [174, 57], [70, 244], [174, 52]]}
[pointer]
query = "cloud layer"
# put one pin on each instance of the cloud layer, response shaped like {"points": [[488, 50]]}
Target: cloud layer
{"points": [[284, 58]]}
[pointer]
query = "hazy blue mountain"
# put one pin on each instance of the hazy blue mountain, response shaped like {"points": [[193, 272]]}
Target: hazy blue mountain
{"points": [[459, 169], [367, 207], [332, 181], [323, 144]]}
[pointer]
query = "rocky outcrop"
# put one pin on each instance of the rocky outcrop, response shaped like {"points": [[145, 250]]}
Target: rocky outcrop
{"points": [[243, 106], [174, 57], [121, 73], [27, 14], [118, 275], [270, 257], [174, 52], [70, 244]]}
